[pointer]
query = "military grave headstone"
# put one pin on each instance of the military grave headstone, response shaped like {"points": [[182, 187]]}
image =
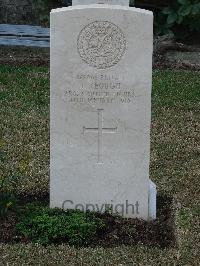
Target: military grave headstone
{"points": [[101, 76]]}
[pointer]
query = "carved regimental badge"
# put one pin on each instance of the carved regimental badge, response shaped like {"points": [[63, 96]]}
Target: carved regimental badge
{"points": [[101, 44]]}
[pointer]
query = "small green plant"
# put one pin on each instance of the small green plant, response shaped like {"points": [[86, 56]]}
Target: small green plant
{"points": [[43, 8], [7, 200], [184, 218], [181, 10], [45, 226], [180, 17]]}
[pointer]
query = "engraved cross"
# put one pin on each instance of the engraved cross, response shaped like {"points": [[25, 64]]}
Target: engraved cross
{"points": [[100, 130]]}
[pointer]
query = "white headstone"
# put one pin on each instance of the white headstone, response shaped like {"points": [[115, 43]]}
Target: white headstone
{"points": [[109, 2], [101, 75]]}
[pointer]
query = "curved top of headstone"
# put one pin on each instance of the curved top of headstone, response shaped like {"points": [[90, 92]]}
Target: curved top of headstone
{"points": [[111, 7], [108, 2]]}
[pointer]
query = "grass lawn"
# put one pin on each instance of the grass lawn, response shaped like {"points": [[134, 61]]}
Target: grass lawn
{"points": [[175, 161]]}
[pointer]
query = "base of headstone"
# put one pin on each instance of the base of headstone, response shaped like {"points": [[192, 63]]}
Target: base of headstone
{"points": [[152, 200]]}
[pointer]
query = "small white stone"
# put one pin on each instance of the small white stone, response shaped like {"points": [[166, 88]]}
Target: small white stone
{"points": [[152, 200]]}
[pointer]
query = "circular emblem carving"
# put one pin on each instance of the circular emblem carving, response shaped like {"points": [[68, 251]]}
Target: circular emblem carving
{"points": [[101, 44]]}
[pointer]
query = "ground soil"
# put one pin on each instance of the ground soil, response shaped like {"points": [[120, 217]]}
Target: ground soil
{"points": [[24, 56], [118, 231]]}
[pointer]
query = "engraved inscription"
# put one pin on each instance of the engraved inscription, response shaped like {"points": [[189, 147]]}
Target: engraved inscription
{"points": [[101, 44], [85, 96], [99, 89], [100, 130]]}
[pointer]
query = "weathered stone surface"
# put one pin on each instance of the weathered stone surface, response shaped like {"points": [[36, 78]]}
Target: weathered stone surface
{"points": [[192, 58], [101, 75], [24, 35], [109, 2]]}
